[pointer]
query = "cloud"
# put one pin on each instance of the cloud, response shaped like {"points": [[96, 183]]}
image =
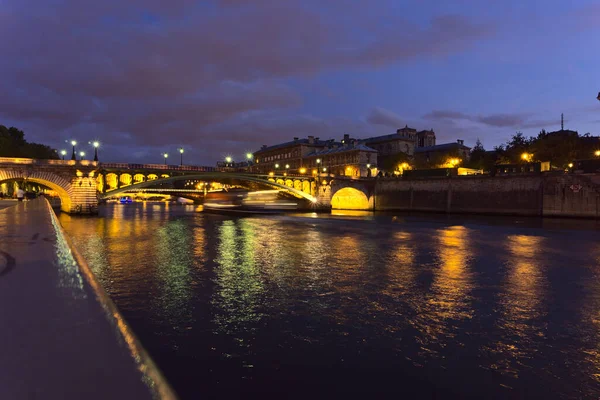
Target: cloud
{"points": [[514, 120], [380, 116], [152, 72]]}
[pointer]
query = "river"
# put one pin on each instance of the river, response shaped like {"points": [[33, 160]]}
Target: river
{"points": [[323, 305]]}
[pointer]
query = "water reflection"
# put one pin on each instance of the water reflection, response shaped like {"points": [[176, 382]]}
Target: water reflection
{"points": [[521, 303], [449, 300], [173, 252], [238, 280], [460, 306]]}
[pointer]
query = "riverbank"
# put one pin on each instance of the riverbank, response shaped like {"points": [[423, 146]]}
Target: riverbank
{"points": [[542, 195], [63, 336]]}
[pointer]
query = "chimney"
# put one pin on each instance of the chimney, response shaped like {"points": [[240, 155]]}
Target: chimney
{"points": [[311, 140], [461, 142]]}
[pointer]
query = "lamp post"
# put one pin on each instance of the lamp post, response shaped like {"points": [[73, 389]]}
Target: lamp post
{"points": [[228, 161], [63, 153], [597, 153], [165, 155], [96, 144], [81, 155], [181, 155], [73, 156]]}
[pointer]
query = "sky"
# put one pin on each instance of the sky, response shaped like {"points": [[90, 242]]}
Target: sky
{"points": [[224, 77]]}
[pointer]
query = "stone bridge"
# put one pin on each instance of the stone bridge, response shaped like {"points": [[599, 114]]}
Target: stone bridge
{"points": [[81, 184], [73, 181]]}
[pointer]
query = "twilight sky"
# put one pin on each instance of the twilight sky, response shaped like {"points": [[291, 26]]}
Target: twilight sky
{"points": [[223, 77]]}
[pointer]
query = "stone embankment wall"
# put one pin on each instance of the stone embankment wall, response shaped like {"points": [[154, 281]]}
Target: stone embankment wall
{"points": [[568, 195]]}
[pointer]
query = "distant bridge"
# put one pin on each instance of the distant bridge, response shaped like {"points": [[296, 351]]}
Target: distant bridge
{"points": [[80, 184], [303, 188]]}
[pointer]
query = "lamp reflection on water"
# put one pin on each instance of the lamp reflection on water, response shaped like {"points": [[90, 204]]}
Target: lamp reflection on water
{"points": [[521, 303], [239, 286], [450, 299], [173, 263]]}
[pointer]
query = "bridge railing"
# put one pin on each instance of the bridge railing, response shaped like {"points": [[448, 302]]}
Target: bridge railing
{"points": [[158, 167], [31, 161]]}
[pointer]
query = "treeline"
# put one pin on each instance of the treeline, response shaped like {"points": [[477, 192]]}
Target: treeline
{"points": [[560, 148], [13, 144]]}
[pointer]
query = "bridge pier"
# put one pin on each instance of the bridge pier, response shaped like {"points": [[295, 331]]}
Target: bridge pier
{"points": [[83, 198]]}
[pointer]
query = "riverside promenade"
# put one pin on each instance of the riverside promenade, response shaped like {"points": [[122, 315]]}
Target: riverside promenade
{"points": [[62, 337], [7, 203]]}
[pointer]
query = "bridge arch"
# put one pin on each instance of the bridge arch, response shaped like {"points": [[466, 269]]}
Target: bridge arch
{"points": [[60, 185], [216, 176], [349, 198]]}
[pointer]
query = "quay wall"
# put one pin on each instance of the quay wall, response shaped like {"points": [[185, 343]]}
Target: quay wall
{"points": [[66, 339], [562, 195]]}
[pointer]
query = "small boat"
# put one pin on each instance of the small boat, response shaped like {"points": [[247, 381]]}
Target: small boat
{"points": [[248, 203], [125, 200]]}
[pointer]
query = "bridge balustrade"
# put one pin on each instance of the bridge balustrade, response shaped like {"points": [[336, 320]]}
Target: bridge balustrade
{"points": [[157, 167], [31, 161]]}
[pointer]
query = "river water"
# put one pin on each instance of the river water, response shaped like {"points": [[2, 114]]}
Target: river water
{"points": [[324, 305]]}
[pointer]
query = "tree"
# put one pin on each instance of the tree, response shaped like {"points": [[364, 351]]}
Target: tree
{"points": [[511, 152], [13, 144], [390, 163], [477, 157]]}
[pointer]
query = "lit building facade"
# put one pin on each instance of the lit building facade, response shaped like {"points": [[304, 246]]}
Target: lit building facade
{"points": [[288, 156], [352, 159], [311, 156], [402, 144]]}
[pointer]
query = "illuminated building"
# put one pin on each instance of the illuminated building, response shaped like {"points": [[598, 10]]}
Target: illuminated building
{"points": [[352, 159], [300, 156], [273, 158], [405, 140]]}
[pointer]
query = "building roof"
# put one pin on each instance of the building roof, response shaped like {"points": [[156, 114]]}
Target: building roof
{"points": [[442, 147], [320, 143], [385, 138], [341, 149]]}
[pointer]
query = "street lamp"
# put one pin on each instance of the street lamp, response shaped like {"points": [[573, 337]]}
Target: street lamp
{"points": [[276, 166], [96, 144], [526, 157], [181, 155], [302, 170], [63, 153], [287, 166], [597, 153], [228, 159], [82, 154], [249, 156], [73, 156], [165, 155], [318, 161]]}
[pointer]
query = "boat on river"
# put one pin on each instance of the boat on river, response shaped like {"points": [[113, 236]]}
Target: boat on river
{"points": [[245, 202]]}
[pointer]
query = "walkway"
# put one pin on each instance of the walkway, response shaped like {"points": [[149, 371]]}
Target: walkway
{"points": [[60, 338], [7, 203]]}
